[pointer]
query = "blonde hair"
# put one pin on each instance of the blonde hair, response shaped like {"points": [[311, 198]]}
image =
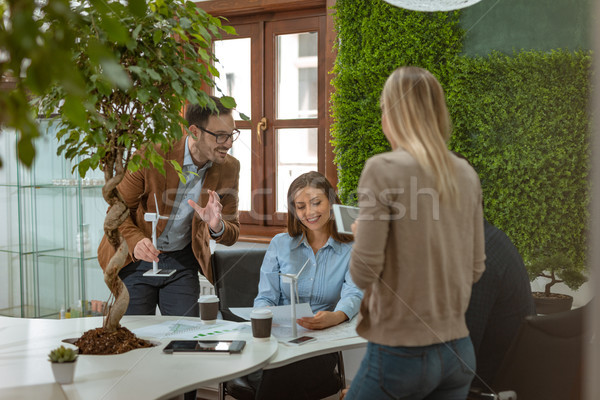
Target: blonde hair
{"points": [[415, 109]]}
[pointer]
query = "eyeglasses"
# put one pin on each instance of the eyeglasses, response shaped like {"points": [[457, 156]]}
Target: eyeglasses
{"points": [[223, 137]]}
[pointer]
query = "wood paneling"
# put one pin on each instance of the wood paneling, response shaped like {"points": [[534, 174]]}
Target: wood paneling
{"points": [[231, 8]]}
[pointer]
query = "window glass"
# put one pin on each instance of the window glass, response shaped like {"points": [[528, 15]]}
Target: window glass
{"points": [[297, 80], [234, 71], [296, 154]]}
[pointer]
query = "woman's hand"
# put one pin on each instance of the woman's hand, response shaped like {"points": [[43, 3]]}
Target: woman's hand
{"points": [[322, 320], [343, 394]]}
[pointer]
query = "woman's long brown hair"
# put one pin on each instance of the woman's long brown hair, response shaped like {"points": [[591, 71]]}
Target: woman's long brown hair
{"points": [[315, 180]]}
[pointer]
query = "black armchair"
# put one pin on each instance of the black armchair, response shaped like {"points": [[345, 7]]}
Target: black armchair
{"points": [[544, 361], [236, 273]]}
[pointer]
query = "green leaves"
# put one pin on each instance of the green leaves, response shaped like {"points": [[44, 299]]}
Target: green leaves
{"points": [[74, 111], [374, 39], [228, 101], [522, 122], [157, 36], [137, 8], [113, 28], [136, 74], [115, 73], [520, 119]]}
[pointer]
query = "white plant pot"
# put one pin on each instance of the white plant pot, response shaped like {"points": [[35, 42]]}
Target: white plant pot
{"points": [[64, 372]]}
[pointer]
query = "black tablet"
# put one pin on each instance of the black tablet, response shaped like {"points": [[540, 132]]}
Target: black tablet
{"points": [[205, 346]]}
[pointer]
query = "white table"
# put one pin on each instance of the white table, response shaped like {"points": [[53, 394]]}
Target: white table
{"points": [[289, 354], [25, 372]]}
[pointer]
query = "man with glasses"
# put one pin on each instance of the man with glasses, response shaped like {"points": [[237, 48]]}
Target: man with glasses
{"points": [[202, 208]]}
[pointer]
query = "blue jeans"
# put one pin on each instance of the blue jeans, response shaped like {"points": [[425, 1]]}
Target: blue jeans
{"points": [[441, 371], [175, 295]]}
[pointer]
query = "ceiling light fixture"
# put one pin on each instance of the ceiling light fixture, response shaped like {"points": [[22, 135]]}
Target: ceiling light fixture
{"points": [[432, 5]]}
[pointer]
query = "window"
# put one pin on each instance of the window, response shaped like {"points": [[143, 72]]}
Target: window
{"points": [[276, 68]]}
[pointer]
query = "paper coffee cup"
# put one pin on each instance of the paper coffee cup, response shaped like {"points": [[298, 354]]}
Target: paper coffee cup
{"points": [[209, 308], [261, 319]]}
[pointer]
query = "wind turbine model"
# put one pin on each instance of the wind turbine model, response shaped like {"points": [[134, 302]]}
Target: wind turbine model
{"points": [[154, 217], [292, 279]]}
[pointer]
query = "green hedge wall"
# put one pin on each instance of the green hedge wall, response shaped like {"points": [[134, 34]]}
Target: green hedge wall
{"points": [[522, 122], [375, 39], [520, 119]]}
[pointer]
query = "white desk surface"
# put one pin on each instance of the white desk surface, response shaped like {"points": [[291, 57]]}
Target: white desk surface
{"points": [[289, 354], [25, 372]]}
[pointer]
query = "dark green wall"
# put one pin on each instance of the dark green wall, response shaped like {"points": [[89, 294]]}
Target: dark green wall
{"points": [[519, 116], [507, 25]]}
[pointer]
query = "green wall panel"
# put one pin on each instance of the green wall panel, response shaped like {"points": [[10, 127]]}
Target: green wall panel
{"points": [[507, 25]]}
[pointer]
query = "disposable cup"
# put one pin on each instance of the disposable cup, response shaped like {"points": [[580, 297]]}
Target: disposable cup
{"points": [[209, 308], [262, 320]]}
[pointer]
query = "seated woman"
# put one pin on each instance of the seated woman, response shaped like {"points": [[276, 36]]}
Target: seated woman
{"points": [[325, 283]]}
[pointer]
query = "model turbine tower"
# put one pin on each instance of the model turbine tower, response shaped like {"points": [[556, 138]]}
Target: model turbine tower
{"points": [[154, 217], [292, 279]]}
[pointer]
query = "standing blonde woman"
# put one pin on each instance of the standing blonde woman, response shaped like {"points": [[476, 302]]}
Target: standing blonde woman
{"points": [[419, 247]]}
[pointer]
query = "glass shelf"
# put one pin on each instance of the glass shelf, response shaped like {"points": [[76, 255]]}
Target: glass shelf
{"points": [[49, 216], [15, 249], [70, 254]]}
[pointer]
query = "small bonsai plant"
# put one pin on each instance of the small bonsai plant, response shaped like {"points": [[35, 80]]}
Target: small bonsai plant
{"points": [[557, 267], [62, 355]]}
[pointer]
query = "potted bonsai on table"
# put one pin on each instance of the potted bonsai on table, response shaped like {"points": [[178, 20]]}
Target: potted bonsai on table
{"points": [[140, 63], [558, 268]]}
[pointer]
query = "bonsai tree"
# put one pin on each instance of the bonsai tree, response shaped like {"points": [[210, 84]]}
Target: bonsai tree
{"points": [[33, 57], [558, 268], [164, 53]]}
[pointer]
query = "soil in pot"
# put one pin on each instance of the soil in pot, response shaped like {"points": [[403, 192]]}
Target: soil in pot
{"points": [[99, 341], [553, 303]]}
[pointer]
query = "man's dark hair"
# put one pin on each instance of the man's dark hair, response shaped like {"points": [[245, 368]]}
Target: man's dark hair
{"points": [[198, 115]]}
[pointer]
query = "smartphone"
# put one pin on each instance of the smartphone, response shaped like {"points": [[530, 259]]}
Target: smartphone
{"points": [[344, 217], [205, 346], [302, 340]]}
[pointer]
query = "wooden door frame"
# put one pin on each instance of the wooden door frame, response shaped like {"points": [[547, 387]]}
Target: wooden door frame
{"points": [[248, 11], [240, 11]]}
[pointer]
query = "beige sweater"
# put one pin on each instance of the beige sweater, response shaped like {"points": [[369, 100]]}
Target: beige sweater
{"points": [[415, 257]]}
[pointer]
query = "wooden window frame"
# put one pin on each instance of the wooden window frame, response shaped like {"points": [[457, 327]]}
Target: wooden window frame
{"points": [[242, 12]]}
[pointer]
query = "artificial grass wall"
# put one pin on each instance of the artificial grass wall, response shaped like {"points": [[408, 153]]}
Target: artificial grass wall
{"points": [[521, 119]]}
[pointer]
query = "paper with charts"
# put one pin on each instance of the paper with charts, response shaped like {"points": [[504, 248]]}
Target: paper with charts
{"points": [[282, 323], [189, 330]]}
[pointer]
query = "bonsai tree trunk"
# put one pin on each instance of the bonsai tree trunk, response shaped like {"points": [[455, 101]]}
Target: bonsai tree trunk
{"points": [[112, 338], [553, 280], [114, 170]]}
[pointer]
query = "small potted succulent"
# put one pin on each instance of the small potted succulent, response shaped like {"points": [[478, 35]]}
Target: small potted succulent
{"points": [[63, 364]]}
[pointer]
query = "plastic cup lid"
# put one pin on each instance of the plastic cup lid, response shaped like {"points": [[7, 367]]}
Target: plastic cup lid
{"points": [[261, 313], [209, 298]]}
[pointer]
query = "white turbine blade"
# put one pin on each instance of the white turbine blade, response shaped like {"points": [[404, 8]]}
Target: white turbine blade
{"points": [[156, 204], [302, 269]]}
